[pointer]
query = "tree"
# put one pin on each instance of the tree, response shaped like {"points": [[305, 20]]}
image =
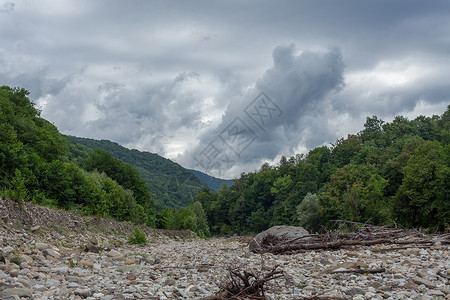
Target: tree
{"points": [[423, 197], [308, 213]]}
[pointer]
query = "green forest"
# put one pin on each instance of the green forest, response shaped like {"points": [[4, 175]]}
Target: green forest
{"points": [[395, 173], [170, 184], [40, 165]]}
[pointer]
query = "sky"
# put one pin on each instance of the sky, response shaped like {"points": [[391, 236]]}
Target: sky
{"points": [[224, 86]]}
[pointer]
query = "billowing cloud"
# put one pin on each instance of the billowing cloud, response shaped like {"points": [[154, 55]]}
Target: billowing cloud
{"points": [[275, 115]]}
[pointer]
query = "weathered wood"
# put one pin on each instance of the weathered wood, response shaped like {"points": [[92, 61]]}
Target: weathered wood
{"points": [[367, 235]]}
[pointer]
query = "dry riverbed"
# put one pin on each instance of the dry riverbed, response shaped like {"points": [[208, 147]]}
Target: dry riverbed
{"points": [[39, 261]]}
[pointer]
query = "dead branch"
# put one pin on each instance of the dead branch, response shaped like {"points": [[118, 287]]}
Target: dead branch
{"points": [[364, 235], [243, 284]]}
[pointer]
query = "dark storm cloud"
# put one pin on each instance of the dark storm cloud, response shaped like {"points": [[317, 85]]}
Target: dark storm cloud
{"points": [[170, 76], [254, 131]]}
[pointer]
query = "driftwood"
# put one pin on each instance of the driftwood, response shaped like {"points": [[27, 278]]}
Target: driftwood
{"points": [[364, 235], [242, 284]]}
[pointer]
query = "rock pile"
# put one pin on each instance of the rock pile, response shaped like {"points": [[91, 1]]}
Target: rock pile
{"points": [[42, 263]]}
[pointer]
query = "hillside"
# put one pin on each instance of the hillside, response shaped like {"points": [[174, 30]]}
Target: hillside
{"points": [[40, 165], [170, 184], [212, 182]]}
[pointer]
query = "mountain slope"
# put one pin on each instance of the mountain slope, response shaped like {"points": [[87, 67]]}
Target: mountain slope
{"points": [[213, 183], [168, 182]]}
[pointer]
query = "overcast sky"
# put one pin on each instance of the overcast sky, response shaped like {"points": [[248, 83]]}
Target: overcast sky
{"points": [[223, 86]]}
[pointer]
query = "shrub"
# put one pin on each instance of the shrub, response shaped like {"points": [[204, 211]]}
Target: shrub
{"points": [[138, 238]]}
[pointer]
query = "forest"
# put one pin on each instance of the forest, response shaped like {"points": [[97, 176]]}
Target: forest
{"points": [[395, 173], [40, 165], [170, 184]]}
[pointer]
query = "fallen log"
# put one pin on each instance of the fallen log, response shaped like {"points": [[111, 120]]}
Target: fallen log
{"points": [[368, 235]]}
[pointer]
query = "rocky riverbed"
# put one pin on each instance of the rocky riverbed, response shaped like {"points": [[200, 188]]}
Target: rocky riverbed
{"points": [[44, 260]]}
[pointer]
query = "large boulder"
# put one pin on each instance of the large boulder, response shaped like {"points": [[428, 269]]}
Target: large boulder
{"points": [[277, 233]]}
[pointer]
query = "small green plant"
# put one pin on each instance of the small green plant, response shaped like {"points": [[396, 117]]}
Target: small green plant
{"points": [[138, 238], [71, 263]]}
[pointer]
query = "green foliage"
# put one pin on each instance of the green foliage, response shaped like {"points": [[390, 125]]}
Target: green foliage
{"points": [[138, 237], [423, 197], [191, 218], [396, 171], [308, 213], [169, 184], [35, 166]]}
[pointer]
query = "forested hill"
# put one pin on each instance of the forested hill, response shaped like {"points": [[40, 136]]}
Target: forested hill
{"points": [[169, 183], [389, 173], [35, 166], [213, 183]]}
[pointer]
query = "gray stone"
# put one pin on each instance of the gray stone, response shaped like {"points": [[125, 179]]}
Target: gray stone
{"points": [[83, 292], [7, 250], [435, 293], [2, 275], [114, 253], [355, 291], [52, 253], [169, 281], [92, 248], [128, 268], [42, 246], [35, 228], [425, 282], [52, 282], [14, 273], [39, 287], [285, 233], [17, 292]]}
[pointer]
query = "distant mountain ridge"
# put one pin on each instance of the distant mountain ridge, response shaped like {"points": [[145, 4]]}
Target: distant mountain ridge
{"points": [[213, 183], [169, 183]]}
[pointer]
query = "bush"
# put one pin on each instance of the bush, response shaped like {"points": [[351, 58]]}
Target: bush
{"points": [[138, 238], [308, 212]]}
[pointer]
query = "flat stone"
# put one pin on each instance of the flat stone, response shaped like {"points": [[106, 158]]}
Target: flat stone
{"points": [[425, 282], [113, 253], [52, 282], [17, 292], [128, 268], [52, 253], [7, 250], [411, 286], [86, 262], [435, 293], [83, 292], [42, 246]]}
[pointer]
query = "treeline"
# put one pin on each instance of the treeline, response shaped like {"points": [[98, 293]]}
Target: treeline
{"points": [[40, 165], [389, 172]]}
